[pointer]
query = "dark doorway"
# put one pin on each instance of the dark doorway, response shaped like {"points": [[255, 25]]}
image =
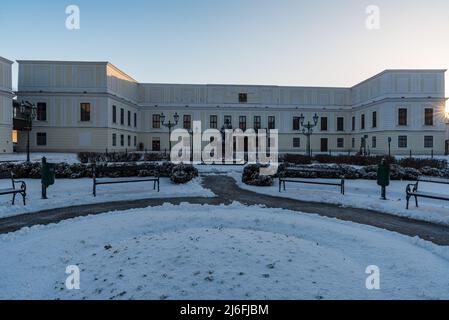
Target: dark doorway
{"points": [[447, 147]]}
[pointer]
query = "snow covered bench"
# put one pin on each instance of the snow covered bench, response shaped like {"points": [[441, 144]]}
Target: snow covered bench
{"points": [[283, 180], [412, 190], [99, 171], [13, 190]]}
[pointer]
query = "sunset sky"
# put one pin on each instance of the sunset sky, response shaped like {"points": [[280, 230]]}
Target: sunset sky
{"points": [[282, 42]]}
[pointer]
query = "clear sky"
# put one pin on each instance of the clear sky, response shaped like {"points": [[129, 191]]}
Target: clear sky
{"points": [[279, 42]]}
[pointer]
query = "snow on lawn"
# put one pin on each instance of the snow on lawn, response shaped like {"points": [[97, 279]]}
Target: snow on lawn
{"points": [[365, 194], [37, 157], [68, 192], [206, 252]]}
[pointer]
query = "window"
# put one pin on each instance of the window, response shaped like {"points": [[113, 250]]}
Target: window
{"points": [[323, 123], [428, 115], [41, 111], [340, 143], [129, 141], [114, 139], [242, 123], [135, 120], [374, 120], [402, 117], [114, 114], [296, 123], [135, 141], [353, 143], [228, 120], [340, 124], [122, 140], [156, 144], [296, 143], [129, 118], [271, 123], [257, 123], [362, 122], [122, 117], [41, 138], [85, 112], [402, 142], [324, 145], [213, 123], [353, 124], [428, 142], [187, 123], [374, 142], [243, 97], [156, 121]]}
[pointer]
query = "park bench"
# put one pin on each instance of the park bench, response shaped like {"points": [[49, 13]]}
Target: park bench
{"points": [[13, 190], [413, 190], [99, 172], [284, 179]]}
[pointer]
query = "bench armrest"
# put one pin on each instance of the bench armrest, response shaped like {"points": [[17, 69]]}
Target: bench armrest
{"points": [[23, 185], [412, 187]]}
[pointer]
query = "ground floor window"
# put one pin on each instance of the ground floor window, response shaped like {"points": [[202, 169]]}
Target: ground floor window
{"points": [[129, 141], [374, 142], [353, 143], [15, 139], [402, 142], [428, 142], [114, 140], [135, 141], [41, 138], [340, 143], [122, 140], [296, 142], [324, 145], [156, 145]]}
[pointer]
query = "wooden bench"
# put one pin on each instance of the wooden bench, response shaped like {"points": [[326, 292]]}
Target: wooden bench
{"points": [[283, 180], [413, 190], [99, 171], [22, 190]]}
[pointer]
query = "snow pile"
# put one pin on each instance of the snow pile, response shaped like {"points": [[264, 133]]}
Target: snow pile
{"points": [[204, 252]]}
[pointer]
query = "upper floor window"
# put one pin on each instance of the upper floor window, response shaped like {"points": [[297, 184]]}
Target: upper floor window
{"points": [[271, 123], [353, 124], [374, 120], [135, 120], [213, 123], [257, 123], [41, 114], [402, 117], [362, 122], [323, 123], [296, 123], [242, 123], [340, 124], [428, 115], [243, 97], [187, 123], [85, 112], [122, 116], [114, 114], [129, 118], [156, 121]]}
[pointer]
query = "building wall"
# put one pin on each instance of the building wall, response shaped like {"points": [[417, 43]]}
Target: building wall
{"points": [[63, 86], [6, 144]]}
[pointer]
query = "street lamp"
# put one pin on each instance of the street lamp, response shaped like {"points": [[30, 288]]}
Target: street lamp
{"points": [[170, 125], [28, 113], [307, 130]]}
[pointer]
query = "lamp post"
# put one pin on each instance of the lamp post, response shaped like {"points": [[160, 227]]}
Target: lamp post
{"points": [[28, 112], [170, 125], [307, 130]]}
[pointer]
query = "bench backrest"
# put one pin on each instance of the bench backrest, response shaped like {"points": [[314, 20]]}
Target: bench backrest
{"points": [[433, 179], [8, 175], [312, 169], [119, 169]]}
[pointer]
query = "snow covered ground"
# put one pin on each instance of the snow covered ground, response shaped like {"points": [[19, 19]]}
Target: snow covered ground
{"points": [[68, 192], [205, 252], [37, 157], [365, 194]]}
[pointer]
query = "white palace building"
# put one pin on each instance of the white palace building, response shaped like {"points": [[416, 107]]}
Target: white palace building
{"points": [[94, 106]]}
